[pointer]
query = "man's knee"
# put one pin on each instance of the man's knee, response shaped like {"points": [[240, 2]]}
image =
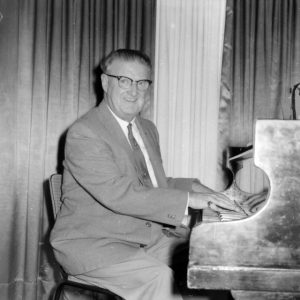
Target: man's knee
{"points": [[163, 275], [166, 271]]}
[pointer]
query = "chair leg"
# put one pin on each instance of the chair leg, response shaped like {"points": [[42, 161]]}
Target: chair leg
{"points": [[58, 291]]}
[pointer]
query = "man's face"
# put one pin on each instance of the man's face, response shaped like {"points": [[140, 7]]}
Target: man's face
{"points": [[125, 103]]}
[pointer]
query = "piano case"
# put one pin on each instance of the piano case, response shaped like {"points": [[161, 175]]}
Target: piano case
{"points": [[257, 257]]}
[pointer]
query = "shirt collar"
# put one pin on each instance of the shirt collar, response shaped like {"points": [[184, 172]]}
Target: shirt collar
{"points": [[122, 122]]}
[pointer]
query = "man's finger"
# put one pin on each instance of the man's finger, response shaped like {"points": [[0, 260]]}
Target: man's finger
{"points": [[221, 205], [227, 203]]}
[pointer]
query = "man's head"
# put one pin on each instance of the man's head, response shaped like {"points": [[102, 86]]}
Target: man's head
{"points": [[125, 80]]}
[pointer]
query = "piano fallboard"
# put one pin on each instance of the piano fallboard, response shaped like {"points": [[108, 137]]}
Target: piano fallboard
{"points": [[261, 252]]}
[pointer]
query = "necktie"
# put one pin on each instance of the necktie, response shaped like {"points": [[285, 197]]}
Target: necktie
{"points": [[139, 158]]}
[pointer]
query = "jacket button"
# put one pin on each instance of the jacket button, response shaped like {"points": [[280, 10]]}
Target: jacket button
{"points": [[148, 224]]}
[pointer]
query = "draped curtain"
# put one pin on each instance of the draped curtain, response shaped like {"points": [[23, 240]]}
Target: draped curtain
{"points": [[188, 59], [261, 64], [49, 53]]}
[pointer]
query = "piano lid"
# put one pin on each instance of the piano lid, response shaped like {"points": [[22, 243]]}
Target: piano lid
{"points": [[262, 251]]}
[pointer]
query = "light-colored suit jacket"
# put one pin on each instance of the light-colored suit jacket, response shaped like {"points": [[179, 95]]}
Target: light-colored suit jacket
{"points": [[107, 214]]}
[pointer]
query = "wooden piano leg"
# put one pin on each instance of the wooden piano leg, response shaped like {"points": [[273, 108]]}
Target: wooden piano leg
{"points": [[259, 295]]}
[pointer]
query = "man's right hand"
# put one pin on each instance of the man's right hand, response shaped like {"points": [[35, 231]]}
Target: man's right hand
{"points": [[213, 200]]}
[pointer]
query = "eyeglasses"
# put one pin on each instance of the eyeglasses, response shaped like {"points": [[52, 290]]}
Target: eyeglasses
{"points": [[126, 82]]}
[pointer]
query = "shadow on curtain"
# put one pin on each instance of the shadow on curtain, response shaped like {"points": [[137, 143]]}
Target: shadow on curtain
{"points": [[261, 63], [49, 56]]}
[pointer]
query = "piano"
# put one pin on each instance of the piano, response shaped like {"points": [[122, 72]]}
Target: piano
{"points": [[256, 256]]}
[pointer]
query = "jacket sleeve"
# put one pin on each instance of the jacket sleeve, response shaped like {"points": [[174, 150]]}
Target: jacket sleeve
{"points": [[184, 184]]}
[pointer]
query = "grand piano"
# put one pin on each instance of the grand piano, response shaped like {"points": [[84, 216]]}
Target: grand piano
{"points": [[256, 256]]}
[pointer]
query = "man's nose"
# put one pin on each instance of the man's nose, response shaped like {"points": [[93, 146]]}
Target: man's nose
{"points": [[133, 89]]}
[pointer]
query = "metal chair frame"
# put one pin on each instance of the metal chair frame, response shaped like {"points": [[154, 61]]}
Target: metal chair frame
{"points": [[55, 183]]}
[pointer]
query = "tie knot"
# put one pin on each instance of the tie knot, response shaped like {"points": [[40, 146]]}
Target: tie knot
{"points": [[129, 127]]}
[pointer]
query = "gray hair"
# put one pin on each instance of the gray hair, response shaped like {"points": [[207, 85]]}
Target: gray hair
{"points": [[125, 55]]}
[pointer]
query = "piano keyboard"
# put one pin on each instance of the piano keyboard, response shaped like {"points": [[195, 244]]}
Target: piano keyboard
{"points": [[248, 204]]}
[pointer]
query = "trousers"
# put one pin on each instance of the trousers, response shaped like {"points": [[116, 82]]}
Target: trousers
{"points": [[147, 275]]}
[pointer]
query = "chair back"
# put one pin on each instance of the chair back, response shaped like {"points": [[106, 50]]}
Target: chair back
{"points": [[55, 183], [55, 192]]}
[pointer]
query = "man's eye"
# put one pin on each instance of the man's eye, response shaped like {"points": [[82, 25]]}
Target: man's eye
{"points": [[125, 81], [143, 83]]}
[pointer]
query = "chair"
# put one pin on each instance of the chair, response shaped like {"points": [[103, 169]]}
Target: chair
{"points": [[55, 192]]}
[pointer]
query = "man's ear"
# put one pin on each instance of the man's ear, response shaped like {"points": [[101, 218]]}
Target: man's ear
{"points": [[104, 81]]}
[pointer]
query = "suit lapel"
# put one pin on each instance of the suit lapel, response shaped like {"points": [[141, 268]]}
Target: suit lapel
{"points": [[107, 120]]}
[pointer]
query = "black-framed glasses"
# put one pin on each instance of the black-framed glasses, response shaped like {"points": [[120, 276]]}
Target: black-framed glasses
{"points": [[126, 82]]}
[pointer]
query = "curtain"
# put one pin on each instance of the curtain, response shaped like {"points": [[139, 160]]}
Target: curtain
{"points": [[189, 42], [261, 65], [49, 53]]}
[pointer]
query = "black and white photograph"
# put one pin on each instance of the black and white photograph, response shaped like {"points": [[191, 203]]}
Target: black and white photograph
{"points": [[150, 149]]}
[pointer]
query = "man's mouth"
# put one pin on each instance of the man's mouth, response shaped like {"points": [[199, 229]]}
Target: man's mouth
{"points": [[131, 99]]}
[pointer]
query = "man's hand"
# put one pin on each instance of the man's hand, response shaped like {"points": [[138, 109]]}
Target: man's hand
{"points": [[256, 201], [200, 188], [204, 197], [213, 200]]}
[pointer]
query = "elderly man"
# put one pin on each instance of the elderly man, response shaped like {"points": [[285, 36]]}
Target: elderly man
{"points": [[122, 219]]}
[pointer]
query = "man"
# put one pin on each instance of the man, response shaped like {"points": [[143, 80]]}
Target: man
{"points": [[122, 218]]}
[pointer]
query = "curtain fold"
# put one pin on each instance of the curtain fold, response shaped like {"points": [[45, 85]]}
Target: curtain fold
{"points": [[260, 67], [189, 43], [49, 53]]}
